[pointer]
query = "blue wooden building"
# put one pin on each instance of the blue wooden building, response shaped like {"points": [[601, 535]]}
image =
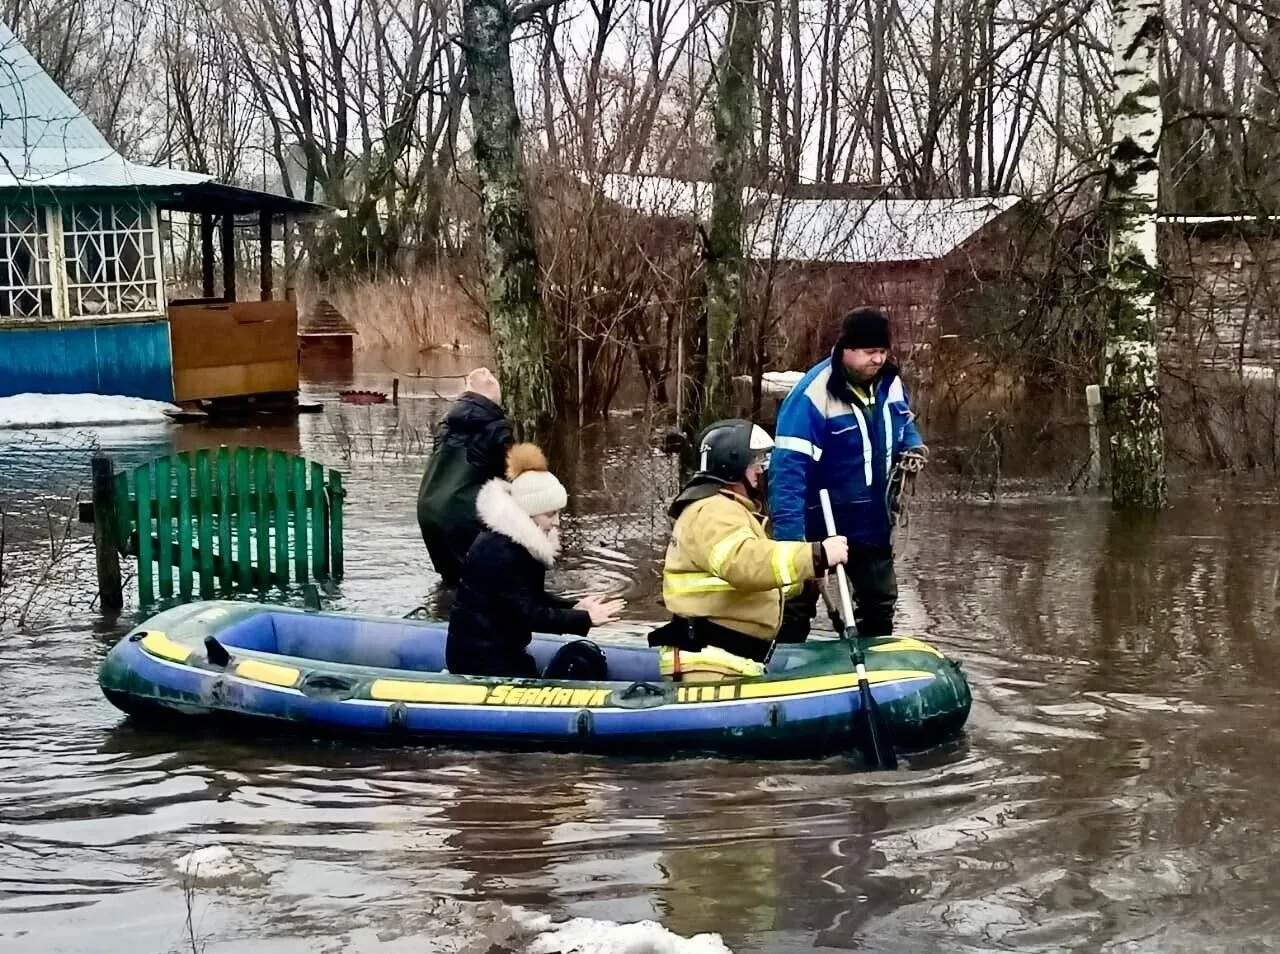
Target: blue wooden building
{"points": [[82, 287]]}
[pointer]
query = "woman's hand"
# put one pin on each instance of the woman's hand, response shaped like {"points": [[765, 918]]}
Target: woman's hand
{"points": [[601, 609]]}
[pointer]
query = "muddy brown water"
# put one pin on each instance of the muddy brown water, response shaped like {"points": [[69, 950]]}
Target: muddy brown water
{"points": [[1115, 790]]}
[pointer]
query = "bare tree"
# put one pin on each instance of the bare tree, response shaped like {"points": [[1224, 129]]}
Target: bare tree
{"points": [[95, 51], [360, 105]]}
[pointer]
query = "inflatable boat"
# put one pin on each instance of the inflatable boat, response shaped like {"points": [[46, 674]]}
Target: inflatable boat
{"points": [[340, 674]]}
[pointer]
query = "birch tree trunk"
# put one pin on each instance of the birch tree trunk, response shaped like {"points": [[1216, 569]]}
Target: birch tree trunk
{"points": [[733, 140], [510, 258], [1131, 396]]}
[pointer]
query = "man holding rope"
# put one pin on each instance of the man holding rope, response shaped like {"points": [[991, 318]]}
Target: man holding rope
{"points": [[846, 427]]}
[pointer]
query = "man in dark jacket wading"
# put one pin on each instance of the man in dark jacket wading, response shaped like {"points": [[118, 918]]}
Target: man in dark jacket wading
{"points": [[470, 449]]}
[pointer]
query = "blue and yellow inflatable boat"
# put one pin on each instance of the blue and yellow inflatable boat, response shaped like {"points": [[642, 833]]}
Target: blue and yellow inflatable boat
{"points": [[339, 674]]}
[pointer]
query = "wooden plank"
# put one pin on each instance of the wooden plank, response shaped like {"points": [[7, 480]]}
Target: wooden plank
{"points": [[337, 497], [262, 518], [142, 493], [218, 334], [164, 506], [95, 356], [185, 563], [280, 469], [228, 256], [269, 377], [126, 511], [195, 555], [225, 517], [300, 519], [244, 512], [204, 521], [105, 546], [227, 349], [319, 525], [266, 262], [206, 254]]}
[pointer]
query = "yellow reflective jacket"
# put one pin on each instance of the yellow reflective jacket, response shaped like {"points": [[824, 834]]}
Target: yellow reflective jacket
{"points": [[721, 565]]}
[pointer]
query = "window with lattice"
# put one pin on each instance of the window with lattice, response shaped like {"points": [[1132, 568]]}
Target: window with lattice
{"points": [[111, 260], [26, 281]]}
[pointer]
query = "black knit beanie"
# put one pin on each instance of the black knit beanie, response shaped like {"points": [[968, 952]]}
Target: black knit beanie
{"points": [[864, 328]]}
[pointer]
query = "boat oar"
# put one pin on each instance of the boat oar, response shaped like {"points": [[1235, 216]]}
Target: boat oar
{"points": [[876, 745]]}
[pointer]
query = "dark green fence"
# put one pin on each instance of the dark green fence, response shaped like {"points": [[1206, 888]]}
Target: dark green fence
{"points": [[238, 518]]}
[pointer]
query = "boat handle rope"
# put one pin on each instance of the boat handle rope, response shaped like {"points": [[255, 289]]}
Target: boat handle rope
{"points": [[641, 688]]}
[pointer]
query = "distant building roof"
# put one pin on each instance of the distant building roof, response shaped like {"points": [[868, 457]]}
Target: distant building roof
{"points": [[325, 319], [661, 196], [821, 230], [871, 230], [46, 141], [1227, 219]]}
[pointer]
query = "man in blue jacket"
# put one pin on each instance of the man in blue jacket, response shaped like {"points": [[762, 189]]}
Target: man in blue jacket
{"points": [[844, 427]]}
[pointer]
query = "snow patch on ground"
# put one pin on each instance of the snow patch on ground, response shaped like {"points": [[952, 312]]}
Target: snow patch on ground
{"points": [[68, 410]]}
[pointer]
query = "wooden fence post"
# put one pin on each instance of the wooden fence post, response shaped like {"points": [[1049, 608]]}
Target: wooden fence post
{"points": [[1093, 400], [105, 542]]}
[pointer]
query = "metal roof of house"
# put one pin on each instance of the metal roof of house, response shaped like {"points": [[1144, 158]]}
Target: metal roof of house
{"points": [[662, 196], [46, 141], [871, 230], [821, 230], [1173, 218]]}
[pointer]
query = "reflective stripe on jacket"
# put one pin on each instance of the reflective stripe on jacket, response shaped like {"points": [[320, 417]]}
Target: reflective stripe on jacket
{"points": [[721, 565]]}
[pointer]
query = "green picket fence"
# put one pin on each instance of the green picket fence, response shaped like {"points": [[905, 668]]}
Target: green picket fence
{"points": [[242, 518]]}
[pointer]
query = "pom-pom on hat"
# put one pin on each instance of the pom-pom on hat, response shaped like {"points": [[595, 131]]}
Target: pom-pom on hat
{"points": [[534, 488]]}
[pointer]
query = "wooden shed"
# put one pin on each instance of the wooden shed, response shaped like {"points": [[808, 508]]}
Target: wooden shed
{"points": [[83, 300], [818, 250], [912, 258], [1222, 307], [325, 333]]}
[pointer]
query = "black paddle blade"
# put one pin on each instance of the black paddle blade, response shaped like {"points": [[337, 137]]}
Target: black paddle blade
{"points": [[877, 744], [875, 739]]}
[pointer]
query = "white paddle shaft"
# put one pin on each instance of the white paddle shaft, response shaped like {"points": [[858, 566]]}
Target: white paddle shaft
{"points": [[846, 604]]}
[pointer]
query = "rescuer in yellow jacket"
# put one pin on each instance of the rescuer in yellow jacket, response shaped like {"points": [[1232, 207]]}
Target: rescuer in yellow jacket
{"points": [[724, 581]]}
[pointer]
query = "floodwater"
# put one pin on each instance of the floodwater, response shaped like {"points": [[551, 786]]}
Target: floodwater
{"points": [[1115, 790]]}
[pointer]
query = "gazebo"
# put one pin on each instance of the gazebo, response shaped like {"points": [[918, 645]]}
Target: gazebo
{"points": [[83, 304]]}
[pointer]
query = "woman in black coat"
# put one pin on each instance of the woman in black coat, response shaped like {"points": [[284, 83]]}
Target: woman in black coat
{"points": [[502, 598], [470, 450]]}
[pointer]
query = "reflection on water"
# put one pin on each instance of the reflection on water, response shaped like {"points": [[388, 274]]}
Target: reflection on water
{"points": [[1113, 792]]}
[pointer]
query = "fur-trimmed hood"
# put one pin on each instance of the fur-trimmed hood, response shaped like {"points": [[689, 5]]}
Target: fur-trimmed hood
{"points": [[502, 515]]}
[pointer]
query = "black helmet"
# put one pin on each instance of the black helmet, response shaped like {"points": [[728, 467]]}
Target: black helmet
{"points": [[727, 448]]}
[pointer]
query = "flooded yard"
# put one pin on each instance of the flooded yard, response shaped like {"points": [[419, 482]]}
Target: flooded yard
{"points": [[1113, 791]]}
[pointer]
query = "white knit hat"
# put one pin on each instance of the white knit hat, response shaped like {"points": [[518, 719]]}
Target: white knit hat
{"points": [[534, 488], [538, 491]]}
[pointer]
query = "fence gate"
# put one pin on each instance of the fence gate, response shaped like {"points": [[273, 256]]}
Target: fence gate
{"points": [[239, 518]]}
